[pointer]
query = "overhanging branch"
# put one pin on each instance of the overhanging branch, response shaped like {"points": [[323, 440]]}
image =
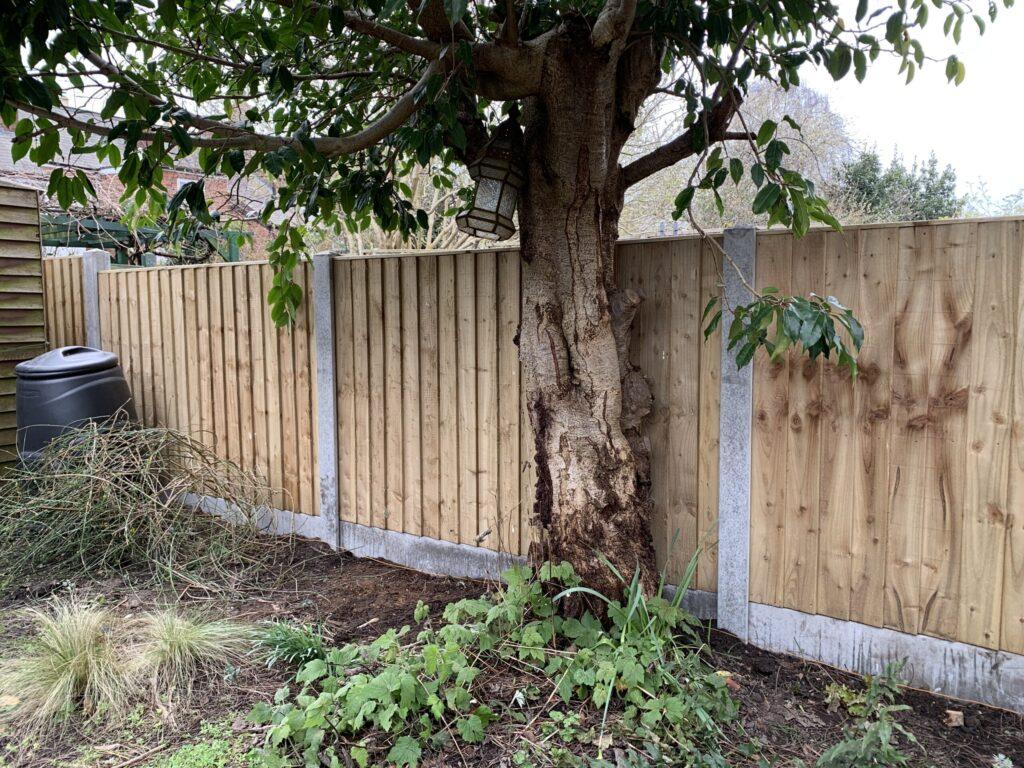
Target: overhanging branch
{"points": [[328, 146], [715, 122]]}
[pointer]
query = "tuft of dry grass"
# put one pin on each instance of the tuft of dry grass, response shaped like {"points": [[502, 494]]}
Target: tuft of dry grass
{"points": [[73, 665], [119, 497], [175, 649]]}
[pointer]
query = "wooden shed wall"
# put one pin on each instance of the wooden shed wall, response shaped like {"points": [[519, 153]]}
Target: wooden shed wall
{"points": [[22, 315]]}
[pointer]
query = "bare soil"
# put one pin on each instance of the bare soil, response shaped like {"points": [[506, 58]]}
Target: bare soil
{"points": [[783, 701]]}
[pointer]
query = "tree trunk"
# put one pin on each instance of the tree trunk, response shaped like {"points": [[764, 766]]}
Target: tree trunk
{"points": [[586, 399]]}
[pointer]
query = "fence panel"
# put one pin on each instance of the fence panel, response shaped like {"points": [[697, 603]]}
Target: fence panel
{"points": [[203, 356], [65, 312], [429, 396], [887, 500], [434, 435]]}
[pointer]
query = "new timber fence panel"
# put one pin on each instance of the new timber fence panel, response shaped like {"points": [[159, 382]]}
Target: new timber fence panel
{"points": [[203, 356], [433, 429], [891, 500], [428, 395], [24, 320], [65, 316]]}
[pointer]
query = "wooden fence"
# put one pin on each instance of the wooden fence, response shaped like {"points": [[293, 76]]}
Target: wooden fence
{"points": [[202, 355], [21, 300], [896, 500], [65, 312], [891, 500]]}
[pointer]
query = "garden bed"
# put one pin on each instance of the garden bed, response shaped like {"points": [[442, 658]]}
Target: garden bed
{"points": [[783, 701]]}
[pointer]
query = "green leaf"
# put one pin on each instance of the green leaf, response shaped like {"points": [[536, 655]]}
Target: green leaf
{"points": [[168, 12], [839, 61], [360, 756], [736, 170], [405, 751], [766, 197], [766, 132], [471, 729]]}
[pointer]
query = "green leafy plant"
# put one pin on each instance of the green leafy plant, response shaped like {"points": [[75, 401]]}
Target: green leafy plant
{"points": [[291, 644], [74, 665], [873, 740], [776, 322], [639, 678], [174, 648]]}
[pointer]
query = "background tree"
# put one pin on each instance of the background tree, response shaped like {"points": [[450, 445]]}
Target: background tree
{"points": [[333, 98], [897, 193], [819, 150]]}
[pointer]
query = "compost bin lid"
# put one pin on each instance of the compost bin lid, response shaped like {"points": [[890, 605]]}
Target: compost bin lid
{"points": [[66, 361]]}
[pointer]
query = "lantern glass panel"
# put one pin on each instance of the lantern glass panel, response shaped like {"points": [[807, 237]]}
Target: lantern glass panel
{"points": [[488, 192], [508, 201]]}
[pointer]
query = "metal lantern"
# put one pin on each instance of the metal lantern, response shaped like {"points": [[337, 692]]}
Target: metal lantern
{"points": [[498, 178]]}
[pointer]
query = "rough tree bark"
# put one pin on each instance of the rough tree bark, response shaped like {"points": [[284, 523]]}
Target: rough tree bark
{"points": [[587, 400]]}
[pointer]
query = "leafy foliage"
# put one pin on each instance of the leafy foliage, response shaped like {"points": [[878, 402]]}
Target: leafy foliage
{"points": [[873, 740], [291, 644], [295, 91], [776, 323], [402, 695]]}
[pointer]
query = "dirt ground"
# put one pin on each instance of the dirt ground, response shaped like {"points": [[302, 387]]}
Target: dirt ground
{"points": [[782, 699]]}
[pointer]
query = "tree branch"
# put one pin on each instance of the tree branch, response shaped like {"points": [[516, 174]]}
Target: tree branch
{"points": [[613, 23], [715, 121], [328, 146]]}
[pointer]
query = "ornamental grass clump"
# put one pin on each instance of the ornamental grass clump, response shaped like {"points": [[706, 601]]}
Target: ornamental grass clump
{"points": [[109, 497], [175, 649], [75, 664]]}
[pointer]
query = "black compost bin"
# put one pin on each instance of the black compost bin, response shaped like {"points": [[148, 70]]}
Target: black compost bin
{"points": [[64, 388]]}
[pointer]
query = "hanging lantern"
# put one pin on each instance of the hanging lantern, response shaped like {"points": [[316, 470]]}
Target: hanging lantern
{"points": [[498, 179]]}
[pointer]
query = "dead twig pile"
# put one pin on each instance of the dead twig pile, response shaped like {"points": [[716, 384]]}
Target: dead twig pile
{"points": [[109, 497]]}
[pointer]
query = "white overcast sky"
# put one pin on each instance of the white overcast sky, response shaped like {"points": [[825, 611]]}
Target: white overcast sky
{"points": [[978, 127]]}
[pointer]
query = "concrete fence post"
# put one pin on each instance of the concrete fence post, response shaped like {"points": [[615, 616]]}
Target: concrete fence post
{"points": [[93, 262], [734, 445], [326, 404]]}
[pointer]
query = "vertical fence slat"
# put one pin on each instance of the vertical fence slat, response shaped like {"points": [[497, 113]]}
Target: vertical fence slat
{"points": [[1012, 637], [770, 440], [257, 331], [908, 471], [345, 382], [949, 379], [275, 402], [393, 425], [429, 403], [412, 472], [245, 367], [361, 384], [838, 491], [465, 303], [878, 259], [508, 402], [308, 498], [988, 418], [448, 399], [708, 392], [489, 525], [684, 403], [378, 455], [803, 469]]}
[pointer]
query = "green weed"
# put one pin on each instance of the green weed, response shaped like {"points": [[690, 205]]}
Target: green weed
{"points": [[638, 679]]}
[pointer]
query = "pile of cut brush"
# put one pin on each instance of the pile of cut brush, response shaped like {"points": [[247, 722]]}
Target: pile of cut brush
{"points": [[109, 497]]}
